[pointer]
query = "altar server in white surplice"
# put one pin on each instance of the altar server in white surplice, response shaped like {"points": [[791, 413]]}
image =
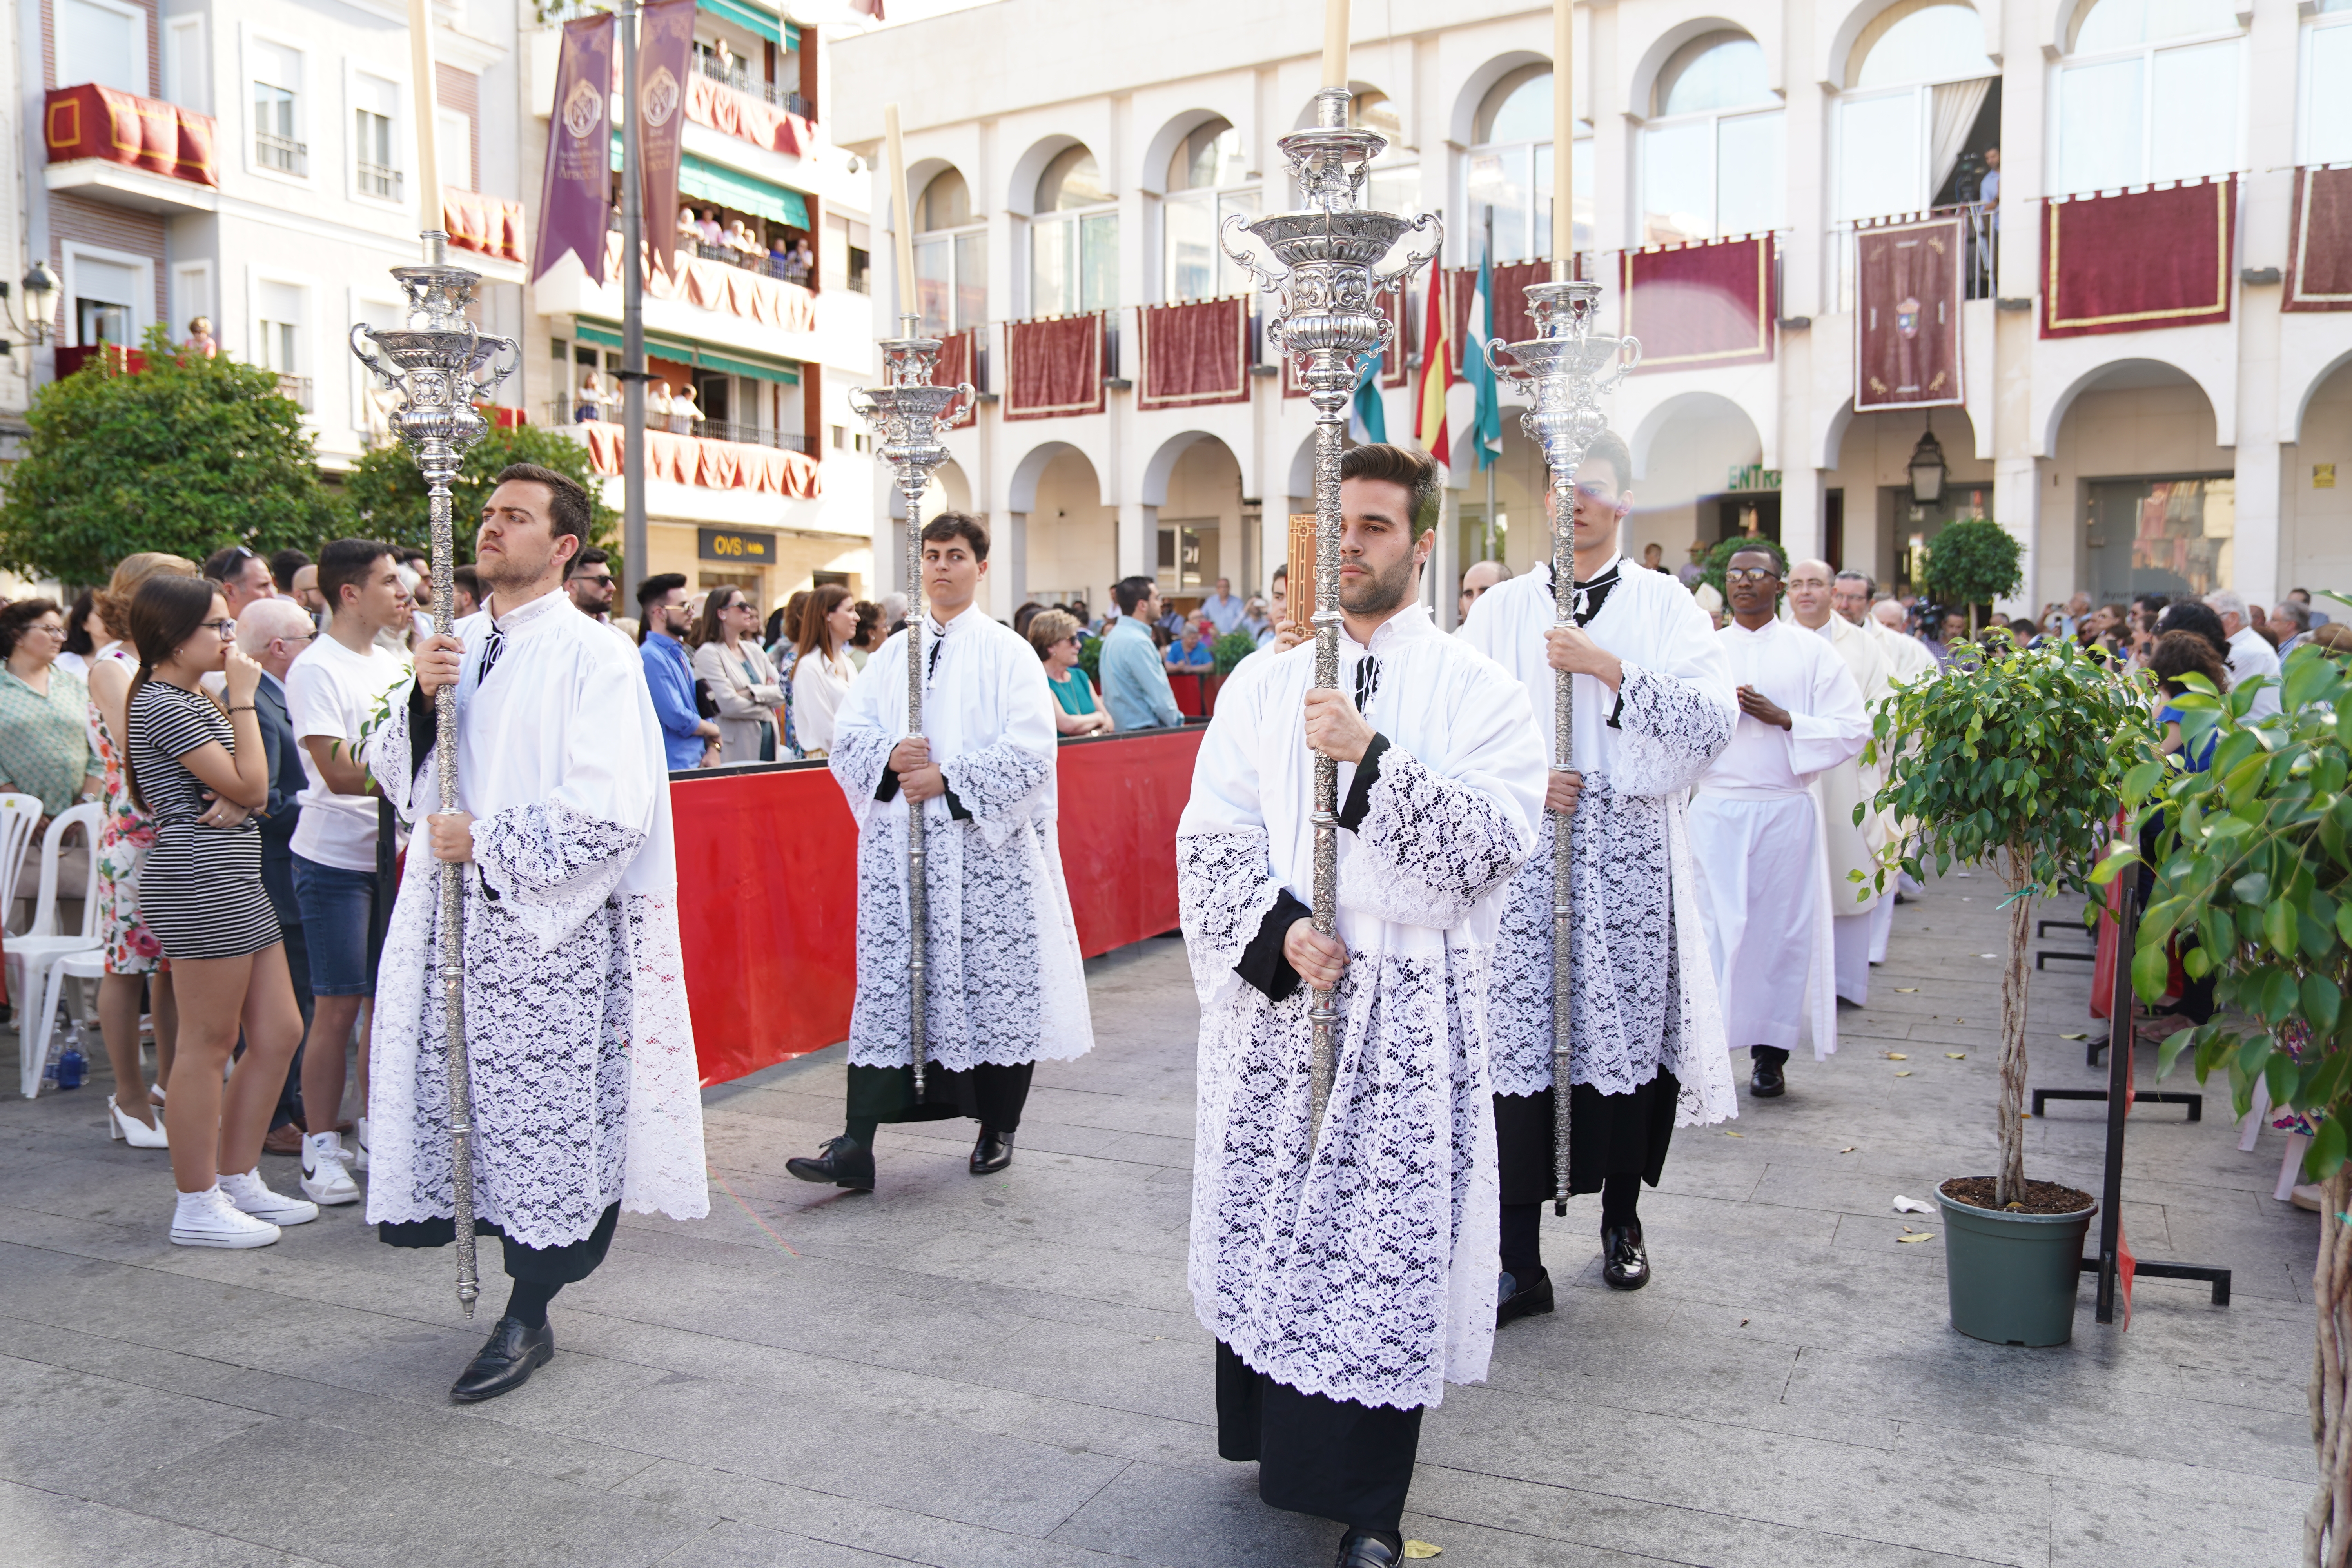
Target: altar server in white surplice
{"points": [[1756, 825], [1653, 704], [1854, 848], [1003, 985], [1347, 1288], [585, 1096]]}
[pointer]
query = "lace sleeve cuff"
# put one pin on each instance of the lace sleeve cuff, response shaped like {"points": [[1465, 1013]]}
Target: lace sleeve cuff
{"points": [[1224, 887], [860, 765], [1668, 732], [996, 788], [1430, 848], [396, 753], [1263, 963], [553, 864]]}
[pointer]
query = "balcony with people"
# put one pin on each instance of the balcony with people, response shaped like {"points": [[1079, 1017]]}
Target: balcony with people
{"points": [[754, 77]]}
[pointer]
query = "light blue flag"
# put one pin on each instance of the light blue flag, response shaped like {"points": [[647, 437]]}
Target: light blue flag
{"points": [[1486, 421], [1368, 419]]}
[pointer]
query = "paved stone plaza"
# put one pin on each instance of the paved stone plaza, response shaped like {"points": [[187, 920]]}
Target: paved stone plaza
{"points": [[1006, 1371]]}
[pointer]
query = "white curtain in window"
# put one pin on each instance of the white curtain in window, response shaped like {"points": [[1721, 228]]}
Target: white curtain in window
{"points": [[1953, 112]]}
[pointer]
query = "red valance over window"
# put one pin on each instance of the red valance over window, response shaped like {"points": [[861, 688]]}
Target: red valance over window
{"points": [[93, 121], [2319, 242], [1700, 307], [754, 119], [2139, 260], [1054, 367], [711, 465], [1193, 354]]}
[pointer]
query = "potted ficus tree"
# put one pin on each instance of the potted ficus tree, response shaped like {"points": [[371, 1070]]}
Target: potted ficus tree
{"points": [[2253, 887], [1973, 561], [2014, 758]]}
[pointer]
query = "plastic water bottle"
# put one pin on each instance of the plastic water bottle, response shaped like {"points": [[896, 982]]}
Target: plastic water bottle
{"points": [[71, 1065]]}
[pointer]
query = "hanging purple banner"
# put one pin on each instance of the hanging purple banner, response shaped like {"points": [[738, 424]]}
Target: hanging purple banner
{"points": [[665, 55], [576, 195]]}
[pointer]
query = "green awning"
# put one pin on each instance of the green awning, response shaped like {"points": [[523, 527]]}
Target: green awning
{"points": [[752, 19], [782, 372], [699, 177]]}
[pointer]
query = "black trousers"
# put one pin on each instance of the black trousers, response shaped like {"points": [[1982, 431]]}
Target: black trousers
{"points": [[1608, 1135], [565, 1264], [278, 880], [995, 1096], [1331, 1457]]}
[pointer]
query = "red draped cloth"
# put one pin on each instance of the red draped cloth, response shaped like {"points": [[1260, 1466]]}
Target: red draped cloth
{"points": [[2319, 242], [490, 225], [1701, 306], [957, 352], [721, 286], [1054, 367], [711, 103], [2137, 260], [711, 465], [93, 121], [1907, 327], [1193, 354]]}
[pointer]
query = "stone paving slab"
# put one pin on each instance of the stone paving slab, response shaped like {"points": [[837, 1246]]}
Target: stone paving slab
{"points": [[1007, 1372]]}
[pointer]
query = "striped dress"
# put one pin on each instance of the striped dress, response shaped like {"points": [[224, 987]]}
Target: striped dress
{"points": [[200, 888]]}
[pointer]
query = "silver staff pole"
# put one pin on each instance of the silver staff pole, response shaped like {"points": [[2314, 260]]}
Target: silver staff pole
{"points": [[1327, 272], [1563, 370], [441, 364], [904, 414]]}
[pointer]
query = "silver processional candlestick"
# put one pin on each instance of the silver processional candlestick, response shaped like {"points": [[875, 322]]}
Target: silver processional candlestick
{"points": [[1564, 371], [440, 364], [904, 414], [1327, 275]]}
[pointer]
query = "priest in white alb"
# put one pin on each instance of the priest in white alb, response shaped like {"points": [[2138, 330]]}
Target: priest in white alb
{"points": [[1757, 829], [1906, 661], [1347, 1286], [1852, 847], [586, 1100], [1653, 704], [1004, 987]]}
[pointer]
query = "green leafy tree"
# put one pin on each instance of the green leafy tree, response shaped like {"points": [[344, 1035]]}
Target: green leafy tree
{"points": [[1973, 561], [388, 494], [2016, 760], [190, 455], [1231, 649]]}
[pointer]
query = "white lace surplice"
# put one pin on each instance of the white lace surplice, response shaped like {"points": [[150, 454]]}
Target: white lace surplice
{"points": [[1004, 981], [1369, 1275], [1643, 984], [584, 1086]]}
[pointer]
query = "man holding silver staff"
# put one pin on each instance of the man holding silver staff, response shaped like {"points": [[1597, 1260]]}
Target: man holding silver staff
{"points": [[1653, 705], [586, 1097], [1004, 986], [1347, 1279]]}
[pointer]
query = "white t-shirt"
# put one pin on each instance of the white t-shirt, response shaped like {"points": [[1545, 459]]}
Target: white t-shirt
{"points": [[334, 692]]}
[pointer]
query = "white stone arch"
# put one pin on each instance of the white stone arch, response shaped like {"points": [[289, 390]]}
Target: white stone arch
{"points": [[2294, 431], [1694, 401], [1462, 124], [1161, 465], [1835, 68], [2053, 418], [1021, 490], [1831, 444], [1020, 186], [1652, 57], [1153, 177]]}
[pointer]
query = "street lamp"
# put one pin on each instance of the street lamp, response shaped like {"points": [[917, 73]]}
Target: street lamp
{"points": [[40, 286], [1927, 468]]}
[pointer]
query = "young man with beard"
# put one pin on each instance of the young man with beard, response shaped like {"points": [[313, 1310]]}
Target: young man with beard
{"points": [[1654, 704], [1348, 1281], [585, 1095]]}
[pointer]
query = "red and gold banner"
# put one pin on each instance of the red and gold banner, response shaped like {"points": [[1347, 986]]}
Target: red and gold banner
{"points": [[958, 353], [93, 121], [1512, 322], [1054, 367], [1193, 354], [1701, 306], [490, 225], [2319, 242], [2139, 260], [1906, 340]]}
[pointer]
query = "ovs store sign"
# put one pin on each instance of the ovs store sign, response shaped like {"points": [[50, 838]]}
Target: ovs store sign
{"points": [[736, 546]]}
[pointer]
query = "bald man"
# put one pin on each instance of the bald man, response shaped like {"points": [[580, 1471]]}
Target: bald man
{"points": [[1813, 587], [1482, 576]]}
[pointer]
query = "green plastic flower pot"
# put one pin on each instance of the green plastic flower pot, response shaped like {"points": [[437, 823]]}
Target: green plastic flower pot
{"points": [[2013, 1277]]}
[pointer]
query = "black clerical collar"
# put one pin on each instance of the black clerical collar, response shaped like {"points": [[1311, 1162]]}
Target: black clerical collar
{"points": [[1589, 595]]}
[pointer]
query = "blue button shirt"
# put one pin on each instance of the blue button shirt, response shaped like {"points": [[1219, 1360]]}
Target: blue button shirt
{"points": [[670, 675], [1134, 685]]}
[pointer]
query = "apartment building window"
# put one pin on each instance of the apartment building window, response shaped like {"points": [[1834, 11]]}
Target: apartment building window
{"points": [[1207, 183], [103, 296], [101, 41], [1073, 240], [2149, 90], [1511, 169], [277, 110], [951, 255], [1924, 95], [1711, 154], [2326, 129], [278, 339], [374, 169]]}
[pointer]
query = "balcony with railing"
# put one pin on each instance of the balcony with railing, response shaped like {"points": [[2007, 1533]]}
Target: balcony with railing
{"points": [[765, 114], [282, 153], [377, 180], [1979, 249], [297, 387], [131, 151], [743, 460], [769, 92]]}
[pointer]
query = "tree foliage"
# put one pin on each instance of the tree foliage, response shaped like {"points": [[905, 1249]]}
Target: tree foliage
{"points": [[1231, 649], [1973, 562], [388, 496], [190, 455], [2018, 757]]}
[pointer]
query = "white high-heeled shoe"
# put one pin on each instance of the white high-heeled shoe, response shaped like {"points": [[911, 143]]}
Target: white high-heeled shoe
{"points": [[131, 1131]]}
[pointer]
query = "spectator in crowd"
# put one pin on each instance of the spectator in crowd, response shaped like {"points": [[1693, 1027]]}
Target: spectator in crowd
{"points": [[2289, 620], [1256, 622], [869, 634], [589, 403], [894, 613], [2145, 612], [1654, 556], [466, 585], [75, 655], [2178, 653], [283, 565], [1223, 610], [821, 668], [1989, 188], [689, 740], [1134, 682], [804, 266], [2188, 615], [200, 341], [134, 957], [591, 587], [44, 712], [243, 577], [684, 412], [1022, 617], [2303, 596], [687, 227], [1277, 604], [708, 230], [1055, 635], [1481, 576], [394, 640], [201, 775], [1951, 635], [307, 594], [1189, 654], [336, 694], [2071, 618], [658, 403], [742, 680], [274, 633], [2250, 656]]}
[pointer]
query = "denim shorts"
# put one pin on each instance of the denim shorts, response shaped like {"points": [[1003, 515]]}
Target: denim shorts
{"points": [[338, 917]]}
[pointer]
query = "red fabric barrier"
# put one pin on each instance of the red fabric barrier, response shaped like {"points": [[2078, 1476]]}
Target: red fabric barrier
{"points": [[2319, 242], [768, 905], [712, 465], [1700, 306], [490, 225], [1193, 354], [2140, 260], [1056, 366], [93, 121], [1907, 343]]}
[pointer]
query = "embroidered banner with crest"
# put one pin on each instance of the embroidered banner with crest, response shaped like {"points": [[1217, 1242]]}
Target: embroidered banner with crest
{"points": [[1906, 340]]}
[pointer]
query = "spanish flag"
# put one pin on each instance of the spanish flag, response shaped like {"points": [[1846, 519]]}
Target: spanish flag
{"points": [[1437, 357]]}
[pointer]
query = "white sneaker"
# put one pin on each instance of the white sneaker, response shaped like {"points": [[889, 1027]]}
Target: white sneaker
{"points": [[209, 1219], [359, 1155], [323, 1177], [248, 1194]]}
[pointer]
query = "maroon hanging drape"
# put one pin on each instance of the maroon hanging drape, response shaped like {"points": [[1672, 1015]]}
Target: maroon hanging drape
{"points": [[1054, 367], [664, 60], [957, 352], [1703, 306], [1906, 340], [1193, 354], [2319, 242], [575, 190], [2139, 260]]}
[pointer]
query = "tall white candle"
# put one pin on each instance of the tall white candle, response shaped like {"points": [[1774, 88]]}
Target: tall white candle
{"points": [[902, 213], [428, 153], [1335, 43], [1563, 140]]}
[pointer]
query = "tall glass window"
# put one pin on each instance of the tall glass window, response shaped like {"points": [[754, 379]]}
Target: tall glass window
{"points": [[1208, 181], [277, 130], [1922, 105], [2149, 90], [1074, 240], [2326, 127], [1510, 169], [1711, 155], [951, 255]]}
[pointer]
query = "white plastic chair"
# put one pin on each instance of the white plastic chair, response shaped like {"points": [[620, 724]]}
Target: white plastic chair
{"points": [[89, 964], [30, 954], [19, 815]]}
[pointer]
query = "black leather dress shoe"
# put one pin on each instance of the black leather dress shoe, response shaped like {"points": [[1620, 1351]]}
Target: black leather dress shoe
{"points": [[845, 1163], [1766, 1082], [1367, 1549], [512, 1353], [1624, 1265], [1513, 1300], [991, 1153]]}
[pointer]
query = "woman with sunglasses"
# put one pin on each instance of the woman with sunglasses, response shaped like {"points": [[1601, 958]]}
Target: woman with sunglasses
{"points": [[728, 659], [200, 775]]}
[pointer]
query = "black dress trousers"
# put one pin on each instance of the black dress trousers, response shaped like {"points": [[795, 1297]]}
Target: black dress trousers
{"points": [[1608, 1135], [1331, 1457]]}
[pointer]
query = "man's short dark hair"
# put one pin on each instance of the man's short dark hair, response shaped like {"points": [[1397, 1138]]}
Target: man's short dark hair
{"points": [[1417, 472], [568, 510], [2188, 615], [347, 562], [958, 525], [659, 586], [470, 579], [221, 563], [1760, 545], [284, 564], [1608, 448], [592, 556], [1281, 572], [1869, 586], [1130, 592]]}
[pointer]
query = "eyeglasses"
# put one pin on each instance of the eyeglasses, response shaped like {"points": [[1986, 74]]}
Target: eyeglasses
{"points": [[227, 629], [1751, 574], [605, 580], [55, 631]]}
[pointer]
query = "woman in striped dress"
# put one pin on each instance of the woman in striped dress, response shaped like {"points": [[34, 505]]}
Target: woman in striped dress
{"points": [[199, 775]]}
